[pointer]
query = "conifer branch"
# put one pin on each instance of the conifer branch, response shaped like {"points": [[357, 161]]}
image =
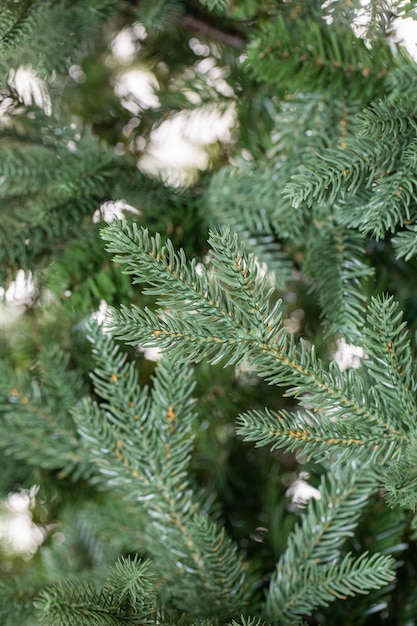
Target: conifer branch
{"points": [[311, 569], [341, 281], [390, 363], [129, 597], [243, 200], [401, 478], [405, 243], [319, 436], [36, 427], [76, 168], [35, 34], [375, 172], [221, 331], [314, 53], [141, 442], [321, 586]]}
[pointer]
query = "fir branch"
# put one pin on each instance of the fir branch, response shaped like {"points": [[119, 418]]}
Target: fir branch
{"points": [[330, 518], [214, 333], [339, 172], [401, 478], [385, 119], [341, 281], [402, 78], [320, 586], [141, 253], [47, 35], [245, 286], [142, 443], [250, 203], [319, 436], [16, 22], [294, 53], [410, 155], [145, 256], [405, 243], [160, 16], [367, 162], [385, 430], [34, 414], [128, 598], [391, 204], [304, 125], [133, 583], [78, 174], [377, 15], [310, 572], [391, 363]]}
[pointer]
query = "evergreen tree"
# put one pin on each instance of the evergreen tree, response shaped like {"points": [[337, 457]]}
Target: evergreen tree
{"points": [[164, 491]]}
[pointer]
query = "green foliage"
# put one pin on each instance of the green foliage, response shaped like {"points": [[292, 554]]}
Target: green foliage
{"points": [[244, 202], [376, 174], [342, 282], [127, 598], [315, 53], [104, 281], [233, 321], [151, 509], [216, 4], [313, 557], [15, 604], [77, 171], [151, 437], [160, 16], [48, 35], [35, 411]]}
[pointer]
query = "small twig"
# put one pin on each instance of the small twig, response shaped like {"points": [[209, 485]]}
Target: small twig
{"points": [[232, 40]]}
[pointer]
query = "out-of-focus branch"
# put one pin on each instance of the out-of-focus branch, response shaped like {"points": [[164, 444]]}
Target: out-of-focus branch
{"points": [[234, 40]]}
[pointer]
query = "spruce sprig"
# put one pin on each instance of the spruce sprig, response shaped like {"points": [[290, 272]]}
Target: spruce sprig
{"points": [[319, 586], [314, 559], [315, 52], [141, 442], [257, 335], [390, 363], [386, 384], [318, 435], [35, 408], [376, 172], [341, 282], [128, 597]]}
